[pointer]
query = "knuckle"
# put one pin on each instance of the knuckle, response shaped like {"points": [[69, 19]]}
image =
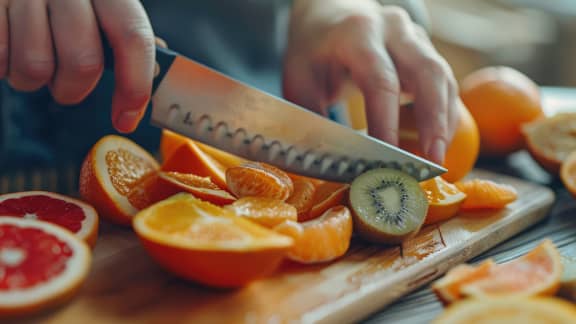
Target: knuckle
{"points": [[432, 65], [85, 64], [386, 82], [396, 15], [36, 68], [139, 36]]}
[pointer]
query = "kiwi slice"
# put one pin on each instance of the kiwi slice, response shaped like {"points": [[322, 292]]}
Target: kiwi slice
{"points": [[388, 205]]}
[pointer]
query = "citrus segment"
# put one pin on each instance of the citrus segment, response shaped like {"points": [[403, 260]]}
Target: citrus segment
{"points": [[205, 243], [72, 214], [112, 176], [42, 265], [444, 199], [485, 194], [322, 239], [534, 310], [551, 140], [169, 142], [501, 100], [302, 196], [260, 180], [170, 183], [267, 212], [327, 195]]}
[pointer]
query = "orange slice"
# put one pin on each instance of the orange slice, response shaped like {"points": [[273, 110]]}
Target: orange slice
{"points": [[170, 142], [448, 288], [67, 212], [265, 211], [171, 183], [259, 180], [444, 199], [322, 239], [535, 310], [43, 265], [536, 273], [327, 195], [199, 241], [485, 194], [568, 173], [113, 178]]}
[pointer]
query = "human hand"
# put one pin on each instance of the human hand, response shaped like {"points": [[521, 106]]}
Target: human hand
{"points": [[58, 43], [383, 52]]}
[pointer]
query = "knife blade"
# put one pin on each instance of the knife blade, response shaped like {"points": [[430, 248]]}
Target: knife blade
{"points": [[194, 100]]}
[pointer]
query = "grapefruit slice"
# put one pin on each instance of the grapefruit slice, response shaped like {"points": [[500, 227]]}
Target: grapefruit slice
{"points": [[72, 214], [535, 310], [170, 183], [444, 199], [321, 239], [115, 176], [205, 243], [42, 265], [536, 273]]}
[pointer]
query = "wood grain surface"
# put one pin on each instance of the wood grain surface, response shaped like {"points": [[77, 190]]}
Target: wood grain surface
{"points": [[126, 286]]}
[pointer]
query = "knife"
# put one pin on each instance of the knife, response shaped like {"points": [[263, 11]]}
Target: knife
{"points": [[205, 105]]}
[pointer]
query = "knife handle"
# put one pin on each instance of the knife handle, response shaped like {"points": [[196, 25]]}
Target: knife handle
{"points": [[164, 59]]}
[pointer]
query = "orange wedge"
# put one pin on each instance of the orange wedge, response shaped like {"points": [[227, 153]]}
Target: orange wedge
{"points": [[444, 199], [202, 242], [189, 158], [485, 194], [267, 212], [536, 273], [322, 239]]}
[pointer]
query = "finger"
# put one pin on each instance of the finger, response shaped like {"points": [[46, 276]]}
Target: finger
{"points": [[130, 35], [161, 42], [31, 59], [78, 48], [4, 39], [426, 75], [304, 84]]}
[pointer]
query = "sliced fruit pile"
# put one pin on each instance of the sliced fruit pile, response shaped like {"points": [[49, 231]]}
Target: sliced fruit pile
{"points": [[507, 291], [45, 254]]}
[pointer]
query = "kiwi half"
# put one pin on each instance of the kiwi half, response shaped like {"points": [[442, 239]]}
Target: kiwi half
{"points": [[388, 205]]}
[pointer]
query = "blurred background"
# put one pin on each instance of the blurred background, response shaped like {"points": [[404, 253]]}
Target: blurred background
{"points": [[536, 37]]}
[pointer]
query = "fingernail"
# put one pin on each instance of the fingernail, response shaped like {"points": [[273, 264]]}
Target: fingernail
{"points": [[127, 121], [437, 151]]}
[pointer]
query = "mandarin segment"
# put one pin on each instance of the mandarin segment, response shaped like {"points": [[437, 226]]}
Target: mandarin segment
{"points": [[303, 196], [444, 199], [323, 239], [259, 180], [485, 194], [327, 195], [267, 212]]}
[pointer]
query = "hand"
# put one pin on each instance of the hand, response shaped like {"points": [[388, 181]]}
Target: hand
{"points": [[383, 52], [58, 43]]}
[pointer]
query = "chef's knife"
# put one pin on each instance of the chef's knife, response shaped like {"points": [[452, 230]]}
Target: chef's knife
{"points": [[201, 103]]}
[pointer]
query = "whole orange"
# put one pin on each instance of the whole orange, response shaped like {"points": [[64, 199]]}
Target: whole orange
{"points": [[462, 152], [501, 99]]}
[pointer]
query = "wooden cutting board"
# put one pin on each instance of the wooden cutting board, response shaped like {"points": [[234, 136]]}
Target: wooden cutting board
{"points": [[126, 286]]}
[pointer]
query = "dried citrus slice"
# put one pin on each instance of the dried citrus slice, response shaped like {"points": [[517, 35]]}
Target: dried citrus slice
{"points": [[535, 310], [321, 239], [551, 139], [72, 214], [208, 244], [448, 288], [536, 273], [444, 199], [568, 173], [113, 175], [265, 211], [171, 183], [42, 265], [485, 194], [260, 180]]}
